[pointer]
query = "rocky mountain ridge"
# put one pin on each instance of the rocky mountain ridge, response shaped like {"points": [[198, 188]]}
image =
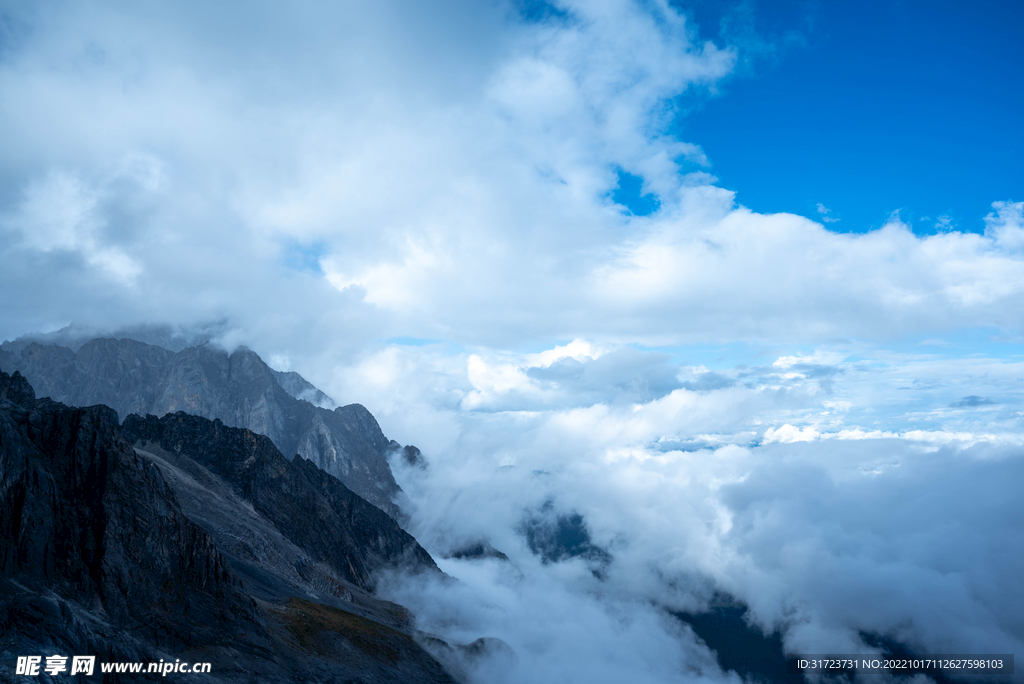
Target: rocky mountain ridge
{"points": [[351, 537], [201, 543], [237, 388]]}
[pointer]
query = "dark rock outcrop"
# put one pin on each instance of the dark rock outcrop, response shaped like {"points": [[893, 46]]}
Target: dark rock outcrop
{"points": [[352, 536], [83, 517], [116, 373], [478, 549], [99, 557], [738, 644], [238, 389], [556, 536]]}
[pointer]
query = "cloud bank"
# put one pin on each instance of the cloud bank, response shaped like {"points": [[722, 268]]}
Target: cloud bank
{"points": [[443, 174], [767, 489]]}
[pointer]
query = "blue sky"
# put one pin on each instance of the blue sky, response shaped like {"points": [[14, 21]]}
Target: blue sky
{"points": [[868, 108], [584, 242]]}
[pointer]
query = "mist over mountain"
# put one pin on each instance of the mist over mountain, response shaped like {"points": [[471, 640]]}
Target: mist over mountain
{"points": [[74, 335], [237, 388]]}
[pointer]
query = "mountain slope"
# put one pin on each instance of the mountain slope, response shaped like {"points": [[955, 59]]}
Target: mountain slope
{"points": [[238, 389], [84, 519], [98, 556], [351, 536]]}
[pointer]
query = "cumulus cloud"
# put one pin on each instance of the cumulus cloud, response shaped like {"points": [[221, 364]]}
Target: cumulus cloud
{"points": [[449, 174]]}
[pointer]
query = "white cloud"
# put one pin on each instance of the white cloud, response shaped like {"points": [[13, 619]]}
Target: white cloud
{"points": [[824, 535], [826, 214], [62, 214], [787, 434], [1006, 225], [819, 357], [859, 492], [452, 189], [579, 350], [747, 275]]}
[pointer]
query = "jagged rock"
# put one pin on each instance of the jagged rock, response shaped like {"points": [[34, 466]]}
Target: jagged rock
{"points": [[411, 455], [300, 388], [352, 536], [238, 389], [556, 536], [17, 390], [476, 550], [97, 556], [83, 515], [476, 661]]}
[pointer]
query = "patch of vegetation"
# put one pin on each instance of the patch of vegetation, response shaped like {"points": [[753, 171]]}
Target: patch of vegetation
{"points": [[309, 621]]}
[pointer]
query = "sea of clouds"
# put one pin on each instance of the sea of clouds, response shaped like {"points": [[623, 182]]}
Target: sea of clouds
{"points": [[411, 204], [763, 489]]}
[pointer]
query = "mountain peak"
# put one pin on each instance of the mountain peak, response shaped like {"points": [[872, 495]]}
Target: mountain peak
{"points": [[202, 541], [16, 389], [240, 389]]}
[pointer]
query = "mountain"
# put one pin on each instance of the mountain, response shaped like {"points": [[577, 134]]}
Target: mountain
{"points": [[300, 388], [351, 537], [237, 388], [75, 335], [202, 543]]}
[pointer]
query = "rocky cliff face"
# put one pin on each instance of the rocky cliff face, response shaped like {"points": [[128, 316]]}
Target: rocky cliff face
{"points": [[351, 536], [215, 548], [300, 388], [239, 389], [84, 519]]}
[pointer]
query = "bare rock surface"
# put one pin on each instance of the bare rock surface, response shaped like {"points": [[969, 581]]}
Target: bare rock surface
{"points": [[351, 536], [238, 388], [203, 544]]}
